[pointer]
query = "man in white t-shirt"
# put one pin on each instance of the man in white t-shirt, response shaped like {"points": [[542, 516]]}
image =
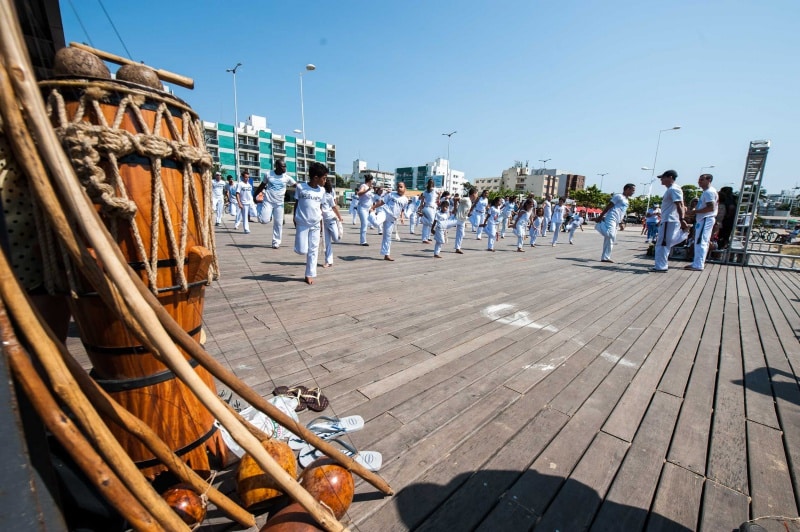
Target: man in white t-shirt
{"points": [[705, 215], [547, 205], [307, 217], [673, 227], [275, 183], [217, 197], [611, 217], [244, 200]]}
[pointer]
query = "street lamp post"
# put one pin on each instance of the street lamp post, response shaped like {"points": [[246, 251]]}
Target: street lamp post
{"points": [[655, 160], [449, 172], [601, 180], [544, 162], [309, 68], [235, 121]]}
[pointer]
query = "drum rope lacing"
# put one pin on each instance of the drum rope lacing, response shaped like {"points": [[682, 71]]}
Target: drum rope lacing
{"points": [[88, 144]]}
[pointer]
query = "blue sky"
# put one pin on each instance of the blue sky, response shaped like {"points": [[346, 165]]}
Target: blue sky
{"points": [[587, 84]]}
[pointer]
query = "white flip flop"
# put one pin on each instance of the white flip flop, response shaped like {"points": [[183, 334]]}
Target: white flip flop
{"points": [[371, 460], [328, 428]]}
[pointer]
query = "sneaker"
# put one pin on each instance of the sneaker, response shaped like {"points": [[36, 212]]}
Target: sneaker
{"points": [[247, 232], [459, 252], [657, 270], [217, 224], [365, 244]]}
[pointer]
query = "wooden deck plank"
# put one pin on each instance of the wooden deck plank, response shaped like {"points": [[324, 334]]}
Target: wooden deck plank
{"points": [[631, 494], [727, 459], [771, 484], [677, 501], [723, 508]]}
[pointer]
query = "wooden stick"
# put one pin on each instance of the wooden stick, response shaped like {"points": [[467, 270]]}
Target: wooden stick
{"points": [[153, 335], [96, 470], [164, 75], [113, 411]]}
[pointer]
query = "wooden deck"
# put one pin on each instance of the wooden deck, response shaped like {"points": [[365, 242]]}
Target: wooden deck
{"points": [[542, 389]]}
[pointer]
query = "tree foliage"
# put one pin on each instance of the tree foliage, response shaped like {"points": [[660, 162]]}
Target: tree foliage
{"points": [[591, 197]]}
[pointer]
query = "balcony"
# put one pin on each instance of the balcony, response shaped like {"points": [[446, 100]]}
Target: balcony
{"points": [[278, 150]]}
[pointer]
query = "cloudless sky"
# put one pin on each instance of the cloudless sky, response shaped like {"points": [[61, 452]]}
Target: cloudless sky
{"points": [[587, 84]]}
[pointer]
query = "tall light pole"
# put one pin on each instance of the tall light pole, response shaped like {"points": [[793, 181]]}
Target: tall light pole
{"points": [[544, 162], [655, 160], [309, 68], [601, 180], [235, 121], [449, 172]]}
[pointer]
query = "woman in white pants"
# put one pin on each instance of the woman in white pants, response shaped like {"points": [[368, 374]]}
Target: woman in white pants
{"points": [[557, 219], [574, 223], [478, 213], [430, 199], [364, 195], [463, 209], [331, 222], [536, 225], [307, 217], [522, 223], [393, 205]]}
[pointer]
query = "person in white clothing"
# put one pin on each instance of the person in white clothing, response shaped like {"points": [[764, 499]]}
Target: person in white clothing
{"points": [[522, 223], [244, 200], [274, 188], [217, 197], [507, 213], [441, 223], [536, 226], [463, 208], [491, 223], [575, 223], [478, 213], [704, 217], [364, 195], [428, 207], [557, 219], [331, 221], [230, 194], [411, 214], [548, 213], [393, 206], [307, 217], [673, 227], [610, 218]]}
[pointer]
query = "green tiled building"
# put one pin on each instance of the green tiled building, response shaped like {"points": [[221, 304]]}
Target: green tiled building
{"points": [[258, 148]]}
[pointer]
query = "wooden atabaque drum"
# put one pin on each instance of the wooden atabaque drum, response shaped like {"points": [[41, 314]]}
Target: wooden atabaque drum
{"points": [[140, 155]]}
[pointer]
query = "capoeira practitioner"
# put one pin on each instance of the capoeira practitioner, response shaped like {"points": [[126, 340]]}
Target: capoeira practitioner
{"points": [[230, 192], [536, 225], [430, 199], [491, 223], [353, 209], [522, 223], [478, 213], [673, 227], [364, 195], [609, 219], [275, 183], [218, 187], [441, 223], [244, 200], [307, 217], [393, 206], [574, 223], [331, 221], [411, 214], [548, 213], [557, 219], [705, 216], [507, 214], [463, 209]]}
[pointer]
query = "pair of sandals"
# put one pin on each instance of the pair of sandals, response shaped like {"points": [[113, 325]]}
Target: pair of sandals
{"points": [[330, 429], [310, 398]]}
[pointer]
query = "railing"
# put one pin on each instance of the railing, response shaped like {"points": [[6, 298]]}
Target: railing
{"points": [[281, 151]]}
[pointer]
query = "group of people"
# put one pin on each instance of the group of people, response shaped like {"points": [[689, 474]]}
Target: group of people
{"points": [[436, 211], [670, 226]]}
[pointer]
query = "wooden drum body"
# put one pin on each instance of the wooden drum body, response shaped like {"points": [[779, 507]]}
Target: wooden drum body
{"points": [[140, 155]]}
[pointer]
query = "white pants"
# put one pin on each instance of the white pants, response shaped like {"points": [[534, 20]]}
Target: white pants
{"points": [[412, 221], [388, 229], [555, 226], [234, 207], [332, 236], [217, 203], [609, 232], [491, 235], [534, 232], [363, 215], [520, 232], [440, 237], [669, 234], [427, 222], [460, 229], [545, 225], [243, 214], [503, 226], [702, 238], [275, 212], [572, 228], [306, 242]]}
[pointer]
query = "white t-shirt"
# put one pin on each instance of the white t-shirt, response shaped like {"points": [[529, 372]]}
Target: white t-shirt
{"points": [[492, 220], [523, 219], [558, 214], [365, 199], [244, 189], [464, 205], [481, 205], [669, 213], [394, 204], [548, 208], [328, 202], [430, 199], [218, 188], [276, 187], [616, 214], [309, 204], [708, 195]]}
